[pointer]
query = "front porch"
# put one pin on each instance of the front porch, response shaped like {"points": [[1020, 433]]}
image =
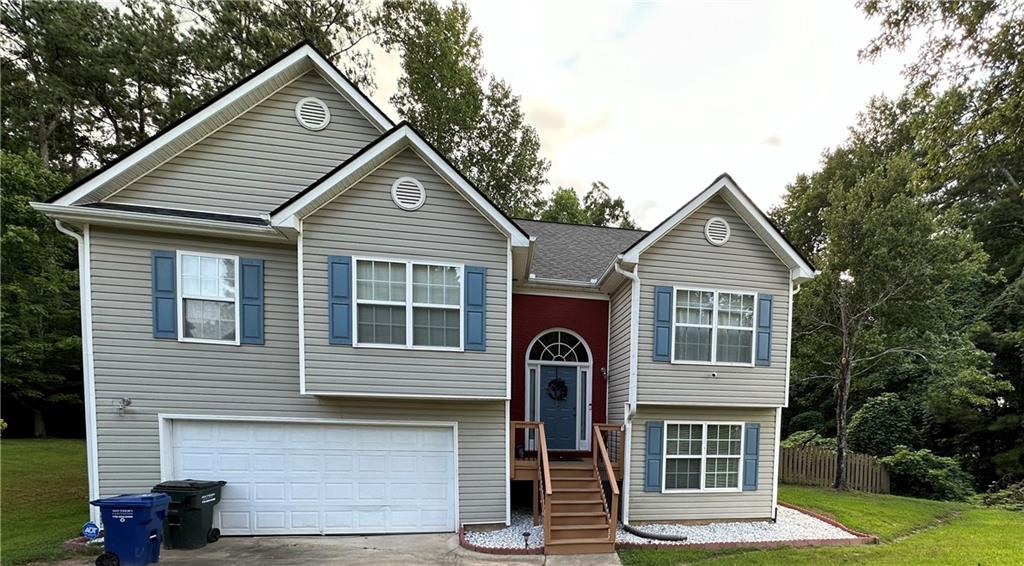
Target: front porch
{"points": [[568, 493]]}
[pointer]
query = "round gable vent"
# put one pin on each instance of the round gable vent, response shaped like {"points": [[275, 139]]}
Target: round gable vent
{"points": [[717, 231], [408, 193], [312, 113]]}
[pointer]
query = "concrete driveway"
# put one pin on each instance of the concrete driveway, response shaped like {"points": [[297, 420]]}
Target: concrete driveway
{"points": [[399, 550]]}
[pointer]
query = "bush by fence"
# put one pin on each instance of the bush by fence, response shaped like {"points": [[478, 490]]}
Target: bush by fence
{"points": [[812, 465]]}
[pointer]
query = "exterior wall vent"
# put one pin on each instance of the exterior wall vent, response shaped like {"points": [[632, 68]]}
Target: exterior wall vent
{"points": [[717, 231], [408, 193], [312, 113]]}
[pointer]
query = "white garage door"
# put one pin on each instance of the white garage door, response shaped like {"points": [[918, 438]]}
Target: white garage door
{"points": [[314, 478]]}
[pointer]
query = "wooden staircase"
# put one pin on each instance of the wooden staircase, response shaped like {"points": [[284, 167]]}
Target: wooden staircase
{"points": [[578, 518], [579, 522]]}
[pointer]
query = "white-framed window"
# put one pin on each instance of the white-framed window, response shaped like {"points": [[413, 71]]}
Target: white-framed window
{"points": [[408, 304], [713, 327], [208, 298], [702, 456]]}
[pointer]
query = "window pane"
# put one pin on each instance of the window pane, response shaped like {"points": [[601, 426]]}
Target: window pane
{"points": [[735, 310], [206, 276], [435, 284], [724, 440], [735, 346], [722, 473], [682, 473], [435, 327], [683, 439], [693, 343], [380, 324], [380, 281], [209, 320], [694, 307]]}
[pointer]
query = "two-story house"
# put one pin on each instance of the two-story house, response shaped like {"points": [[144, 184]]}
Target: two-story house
{"points": [[287, 291]]}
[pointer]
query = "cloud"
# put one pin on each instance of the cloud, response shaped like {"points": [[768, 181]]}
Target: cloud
{"points": [[774, 140]]}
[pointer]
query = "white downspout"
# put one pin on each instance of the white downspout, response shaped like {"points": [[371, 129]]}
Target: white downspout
{"points": [[630, 406], [88, 376]]}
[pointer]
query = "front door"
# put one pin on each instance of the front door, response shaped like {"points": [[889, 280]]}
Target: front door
{"points": [[558, 389]]}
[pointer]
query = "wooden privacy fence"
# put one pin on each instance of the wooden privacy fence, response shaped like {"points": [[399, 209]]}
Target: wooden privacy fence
{"points": [[813, 465]]}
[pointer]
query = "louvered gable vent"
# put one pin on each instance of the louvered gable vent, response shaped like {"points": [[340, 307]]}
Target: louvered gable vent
{"points": [[312, 113], [408, 193], [717, 231]]}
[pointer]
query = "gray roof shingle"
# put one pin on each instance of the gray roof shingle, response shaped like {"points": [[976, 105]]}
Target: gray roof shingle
{"points": [[576, 252]]}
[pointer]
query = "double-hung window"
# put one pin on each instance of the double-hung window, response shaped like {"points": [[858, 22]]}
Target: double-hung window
{"points": [[208, 300], [408, 304], [713, 327], [703, 456]]}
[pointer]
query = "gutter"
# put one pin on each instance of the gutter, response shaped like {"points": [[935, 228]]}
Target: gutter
{"points": [[144, 221], [630, 406], [88, 372]]}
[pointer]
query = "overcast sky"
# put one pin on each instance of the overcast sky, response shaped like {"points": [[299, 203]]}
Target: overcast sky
{"points": [[657, 99]]}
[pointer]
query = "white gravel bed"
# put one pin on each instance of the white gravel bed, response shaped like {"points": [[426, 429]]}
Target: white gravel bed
{"points": [[789, 525], [511, 536]]}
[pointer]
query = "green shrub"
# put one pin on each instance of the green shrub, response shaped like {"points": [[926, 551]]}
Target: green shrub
{"points": [[808, 438], [1010, 497], [882, 424], [807, 420], [923, 474]]}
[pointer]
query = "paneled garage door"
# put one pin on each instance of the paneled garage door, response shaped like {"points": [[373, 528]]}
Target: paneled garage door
{"points": [[320, 478]]}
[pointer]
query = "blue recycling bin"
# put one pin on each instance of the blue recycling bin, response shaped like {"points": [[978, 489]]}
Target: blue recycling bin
{"points": [[133, 527]]}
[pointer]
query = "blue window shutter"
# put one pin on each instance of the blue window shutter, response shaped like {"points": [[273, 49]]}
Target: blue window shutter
{"points": [[751, 448], [662, 323], [763, 355], [339, 298], [165, 294], [252, 301], [652, 469], [476, 308]]}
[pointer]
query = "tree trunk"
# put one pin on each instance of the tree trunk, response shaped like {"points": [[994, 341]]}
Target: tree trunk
{"points": [[842, 401], [38, 424]]}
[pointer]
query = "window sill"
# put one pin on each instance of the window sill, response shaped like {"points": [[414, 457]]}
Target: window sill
{"points": [[712, 490], [404, 347], [209, 341], [723, 364]]}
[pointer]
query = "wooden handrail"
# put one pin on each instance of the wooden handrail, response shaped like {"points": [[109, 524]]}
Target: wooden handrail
{"points": [[545, 466], [613, 509], [607, 461]]}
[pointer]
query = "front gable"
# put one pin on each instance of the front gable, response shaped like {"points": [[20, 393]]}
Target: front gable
{"points": [[260, 159]]}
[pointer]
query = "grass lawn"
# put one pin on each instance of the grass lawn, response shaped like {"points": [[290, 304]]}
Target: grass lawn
{"points": [[913, 531], [44, 495]]}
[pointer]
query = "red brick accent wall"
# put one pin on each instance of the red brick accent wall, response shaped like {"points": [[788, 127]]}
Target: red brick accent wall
{"points": [[533, 314]]}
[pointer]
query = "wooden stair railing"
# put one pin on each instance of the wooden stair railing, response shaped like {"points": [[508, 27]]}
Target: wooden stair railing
{"points": [[545, 480], [601, 455]]}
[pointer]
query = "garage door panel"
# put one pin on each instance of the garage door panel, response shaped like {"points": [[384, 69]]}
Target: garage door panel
{"points": [[302, 478]]}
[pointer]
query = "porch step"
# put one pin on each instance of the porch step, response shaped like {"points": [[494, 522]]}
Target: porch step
{"points": [[561, 483], [571, 464], [573, 532], [572, 473], [579, 546], [576, 506], [577, 494]]}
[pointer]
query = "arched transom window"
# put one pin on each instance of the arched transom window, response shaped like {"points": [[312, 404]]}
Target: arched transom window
{"points": [[559, 346]]}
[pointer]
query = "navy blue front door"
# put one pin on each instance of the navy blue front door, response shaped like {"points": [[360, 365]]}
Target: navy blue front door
{"points": [[558, 406]]}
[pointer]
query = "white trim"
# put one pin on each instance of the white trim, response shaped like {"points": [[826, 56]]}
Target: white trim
{"points": [[703, 457], [88, 366], [408, 304], [358, 100], [714, 327], [627, 462], [165, 427], [149, 221], [584, 386], [775, 464], [508, 319], [180, 297], [407, 136], [710, 404], [403, 395], [789, 337], [508, 465], [749, 212], [563, 293], [302, 314]]}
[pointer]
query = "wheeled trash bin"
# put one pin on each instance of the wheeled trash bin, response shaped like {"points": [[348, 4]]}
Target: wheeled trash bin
{"points": [[190, 516], [133, 528]]}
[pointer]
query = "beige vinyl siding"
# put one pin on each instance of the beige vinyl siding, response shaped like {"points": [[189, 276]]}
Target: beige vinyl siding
{"points": [[683, 257], [256, 162], [363, 221], [171, 377], [619, 311], [652, 506]]}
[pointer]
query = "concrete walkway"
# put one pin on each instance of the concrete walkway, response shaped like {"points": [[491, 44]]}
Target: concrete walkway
{"points": [[398, 550]]}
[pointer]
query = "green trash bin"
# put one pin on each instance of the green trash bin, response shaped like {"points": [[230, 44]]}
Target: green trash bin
{"points": [[189, 521]]}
